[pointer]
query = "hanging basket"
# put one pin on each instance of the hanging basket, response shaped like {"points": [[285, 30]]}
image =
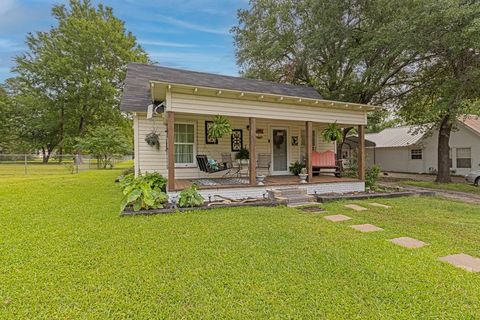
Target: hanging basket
{"points": [[153, 140]]}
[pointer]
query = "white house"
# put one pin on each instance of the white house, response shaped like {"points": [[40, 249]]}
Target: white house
{"points": [[278, 123], [405, 149]]}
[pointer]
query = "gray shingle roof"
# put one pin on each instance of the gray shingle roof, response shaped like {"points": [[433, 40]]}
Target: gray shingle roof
{"points": [[136, 93]]}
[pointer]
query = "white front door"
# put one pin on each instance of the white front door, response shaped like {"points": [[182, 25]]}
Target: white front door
{"points": [[279, 145]]}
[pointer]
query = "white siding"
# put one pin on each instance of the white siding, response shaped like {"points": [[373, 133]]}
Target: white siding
{"points": [[398, 159], [189, 103], [150, 159]]}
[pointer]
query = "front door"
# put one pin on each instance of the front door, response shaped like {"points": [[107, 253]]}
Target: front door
{"points": [[280, 151]]}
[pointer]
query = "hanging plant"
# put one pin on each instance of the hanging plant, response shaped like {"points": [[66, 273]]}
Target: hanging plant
{"points": [[220, 127], [153, 140], [332, 133]]}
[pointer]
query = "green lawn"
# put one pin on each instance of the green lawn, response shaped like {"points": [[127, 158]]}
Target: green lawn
{"points": [[66, 254], [462, 187]]}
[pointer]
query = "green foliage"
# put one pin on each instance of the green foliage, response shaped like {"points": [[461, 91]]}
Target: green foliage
{"points": [[153, 140], [332, 132], [246, 254], [351, 168], [296, 167], [190, 197], [371, 177], [70, 78], [104, 142], [219, 128], [243, 154], [143, 192]]}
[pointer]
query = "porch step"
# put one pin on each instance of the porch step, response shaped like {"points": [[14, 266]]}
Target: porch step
{"points": [[292, 196]]}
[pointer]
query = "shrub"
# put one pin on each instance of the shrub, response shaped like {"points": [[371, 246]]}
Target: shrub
{"points": [[190, 197], [296, 167], [371, 177], [351, 168], [243, 154], [143, 192]]}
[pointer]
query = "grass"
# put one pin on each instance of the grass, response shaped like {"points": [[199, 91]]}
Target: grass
{"points": [[461, 187], [66, 254]]}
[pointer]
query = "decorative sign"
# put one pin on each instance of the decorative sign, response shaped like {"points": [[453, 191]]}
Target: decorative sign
{"points": [[294, 140], [207, 139], [237, 139]]}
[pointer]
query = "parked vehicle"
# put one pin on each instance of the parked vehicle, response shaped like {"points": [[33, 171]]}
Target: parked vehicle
{"points": [[473, 177]]}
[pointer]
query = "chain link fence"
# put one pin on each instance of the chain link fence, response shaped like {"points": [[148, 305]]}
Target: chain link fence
{"points": [[27, 164]]}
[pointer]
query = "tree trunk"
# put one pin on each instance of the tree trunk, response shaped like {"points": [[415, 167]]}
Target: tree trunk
{"points": [[443, 174], [62, 133], [340, 144]]}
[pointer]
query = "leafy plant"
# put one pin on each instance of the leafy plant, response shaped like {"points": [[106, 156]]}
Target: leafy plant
{"points": [[243, 154], [153, 140], [143, 192], [220, 127], [190, 197], [332, 133], [371, 177], [296, 167], [351, 168]]}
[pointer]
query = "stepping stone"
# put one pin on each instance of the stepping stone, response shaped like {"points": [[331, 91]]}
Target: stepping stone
{"points": [[463, 261], [355, 207], [408, 242], [366, 228], [337, 218], [379, 205]]}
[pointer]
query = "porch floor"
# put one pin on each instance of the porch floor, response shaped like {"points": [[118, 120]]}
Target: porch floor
{"points": [[269, 181]]}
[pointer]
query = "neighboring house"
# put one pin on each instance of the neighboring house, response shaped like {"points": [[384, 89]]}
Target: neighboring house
{"points": [[272, 120], [406, 149]]}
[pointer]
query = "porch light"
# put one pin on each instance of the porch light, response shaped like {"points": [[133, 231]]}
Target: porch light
{"points": [[195, 90], [261, 97], [242, 94], [280, 99], [219, 92]]}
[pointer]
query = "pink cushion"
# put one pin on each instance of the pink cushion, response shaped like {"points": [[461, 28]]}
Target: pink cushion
{"points": [[323, 159]]}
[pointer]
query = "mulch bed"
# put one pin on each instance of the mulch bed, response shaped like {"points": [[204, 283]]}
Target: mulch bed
{"points": [[358, 196]]}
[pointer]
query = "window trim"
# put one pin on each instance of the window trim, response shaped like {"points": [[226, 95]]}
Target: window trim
{"points": [[412, 155], [456, 157], [194, 163]]}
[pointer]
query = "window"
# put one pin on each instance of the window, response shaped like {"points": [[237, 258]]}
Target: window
{"points": [[450, 161], [184, 143], [416, 154], [464, 159]]}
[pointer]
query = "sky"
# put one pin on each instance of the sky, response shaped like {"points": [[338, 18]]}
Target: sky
{"points": [[187, 34]]}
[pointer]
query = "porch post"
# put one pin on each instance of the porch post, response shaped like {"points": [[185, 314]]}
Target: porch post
{"points": [[253, 151], [308, 146], [171, 150], [361, 152]]}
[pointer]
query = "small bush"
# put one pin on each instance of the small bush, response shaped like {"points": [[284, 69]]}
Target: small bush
{"points": [[190, 197], [143, 192], [371, 177]]}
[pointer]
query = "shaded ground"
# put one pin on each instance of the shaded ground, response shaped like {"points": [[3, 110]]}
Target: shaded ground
{"points": [[66, 253]]}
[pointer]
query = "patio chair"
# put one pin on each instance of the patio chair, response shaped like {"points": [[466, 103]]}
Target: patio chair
{"points": [[229, 164], [205, 166], [264, 161]]}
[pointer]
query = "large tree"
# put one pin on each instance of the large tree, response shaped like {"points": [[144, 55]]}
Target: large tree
{"points": [[349, 50], [77, 69], [449, 33]]}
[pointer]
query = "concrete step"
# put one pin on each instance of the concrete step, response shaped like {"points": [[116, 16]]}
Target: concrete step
{"points": [[289, 192]]}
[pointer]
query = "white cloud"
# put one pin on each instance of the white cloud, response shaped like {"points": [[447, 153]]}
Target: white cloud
{"points": [[5, 6], [167, 44], [193, 26], [7, 45]]}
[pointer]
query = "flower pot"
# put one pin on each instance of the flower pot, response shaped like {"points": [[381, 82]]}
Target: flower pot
{"points": [[303, 177], [260, 180]]}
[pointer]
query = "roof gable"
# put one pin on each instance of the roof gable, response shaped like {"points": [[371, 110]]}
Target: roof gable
{"points": [[396, 137]]}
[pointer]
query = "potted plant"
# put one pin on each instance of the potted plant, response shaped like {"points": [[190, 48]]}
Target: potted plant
{"points": [[243, 155], [332, 133], [303, 175], [260, 179], [296, 167], [220, 127], [153, 140]]}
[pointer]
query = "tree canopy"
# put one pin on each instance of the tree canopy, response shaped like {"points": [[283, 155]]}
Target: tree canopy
{"points": [[71, 77]]}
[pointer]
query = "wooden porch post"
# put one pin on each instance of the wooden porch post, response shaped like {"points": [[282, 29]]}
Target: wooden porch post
{"points": [[253, 152], [361, 152], [308, 146], [171, 150]]}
